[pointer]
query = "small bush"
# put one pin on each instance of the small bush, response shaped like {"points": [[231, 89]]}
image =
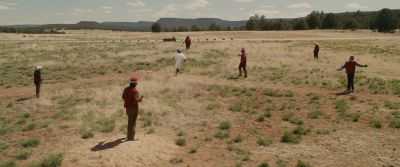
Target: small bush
{"points": [[181, 133], [30, 143], [86, 134], [222, 134], [260, 118], [392, 105], [192, 150], [3, 146], [23, 155], [395, 123], [8, 164], [180, 142], [29, 127], [105, 125], [224, 125], [342, 106], [300, 130], [302, 164], [52, 160], [314, 114], [289, 137], [264, 141], [375, 123], [264, 164], [238, 139]]}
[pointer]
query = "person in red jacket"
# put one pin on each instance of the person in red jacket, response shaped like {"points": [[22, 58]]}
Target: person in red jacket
{"points": [[188, 42], [37, 79], [243, 63], [131, 99], [350, 67], [316, 51]]}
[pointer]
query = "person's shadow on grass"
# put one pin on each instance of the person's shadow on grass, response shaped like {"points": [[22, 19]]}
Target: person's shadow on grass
{"points": [[108, 145], [344, 93]]}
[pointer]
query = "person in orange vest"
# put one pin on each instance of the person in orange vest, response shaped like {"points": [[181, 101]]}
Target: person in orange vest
{"points": [[37, 80], [188, 42], [243, 63], [350, 67], [131, 99]]}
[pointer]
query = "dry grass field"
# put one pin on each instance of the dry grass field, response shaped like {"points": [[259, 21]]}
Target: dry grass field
{"points": [[285, 114]]}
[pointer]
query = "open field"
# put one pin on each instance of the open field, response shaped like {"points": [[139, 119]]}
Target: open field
{"points": [[285, 114]]}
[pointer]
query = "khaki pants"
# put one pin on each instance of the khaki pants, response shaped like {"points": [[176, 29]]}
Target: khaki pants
{"points": [[132, 114]]}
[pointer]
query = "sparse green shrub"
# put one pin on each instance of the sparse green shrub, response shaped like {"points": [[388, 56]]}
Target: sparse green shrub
{"points": [[260, 118], [105, 125], [314, 114], [302, 164], [29, 143], [261, 141], [392, 105], [181, 133], [3, 146], [176, 160], [263, 164], [29, 127], [236, 107], [192, 150], [395, 86], [375, 123], [8, 164], [281, 163], [180, 142], [52, 160], [342, 106], [225, 125], [222, 134], [289, 137], [300, 130], [86, 133], [395, 122], [23, 154], [238, 139], [376, 85]]}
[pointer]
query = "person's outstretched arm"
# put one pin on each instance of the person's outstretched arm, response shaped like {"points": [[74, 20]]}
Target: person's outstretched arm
{"points": [[341, 68], [360, 65]]}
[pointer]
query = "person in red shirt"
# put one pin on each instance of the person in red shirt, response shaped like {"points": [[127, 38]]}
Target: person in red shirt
{"points": [[350, 67], [131, 99], [243, 63], [316, 51], [188, 42], [37, 79]]}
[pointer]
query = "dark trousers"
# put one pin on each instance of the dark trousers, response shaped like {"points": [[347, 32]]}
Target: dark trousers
{"points": [[242, 67], [188, 46], [132, 117], [37, 86], [350, 82], [316, 55]]}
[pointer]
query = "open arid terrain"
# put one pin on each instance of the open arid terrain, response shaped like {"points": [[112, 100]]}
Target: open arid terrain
{"points": [[287, 113]]}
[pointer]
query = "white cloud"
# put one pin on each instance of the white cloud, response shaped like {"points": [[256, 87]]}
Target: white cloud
{"points": [[4, 7], [136, 3], [106, 7], [243, 1], [79, 11], [355, 6], [166, 11], [303, 5], [196, 4]]}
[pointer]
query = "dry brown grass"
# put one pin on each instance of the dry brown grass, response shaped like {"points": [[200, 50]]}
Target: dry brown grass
{"points": [[287, 91]]}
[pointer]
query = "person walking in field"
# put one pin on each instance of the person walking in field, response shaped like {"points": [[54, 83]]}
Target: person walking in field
{"points": [[180, 58], [131, 99], [188, 42], [243, 63], [350, 67], [37, 79], [316, 51]]}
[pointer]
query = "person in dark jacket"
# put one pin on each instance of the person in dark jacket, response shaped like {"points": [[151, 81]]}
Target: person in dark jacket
{"points": [[188, 42], [131, 99], [316, 51], [37, 80], [350, 67], [243, 63]]}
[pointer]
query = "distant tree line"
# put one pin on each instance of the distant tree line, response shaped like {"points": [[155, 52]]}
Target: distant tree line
{"points": [[385, 20], [30, 30], [156, 27]]}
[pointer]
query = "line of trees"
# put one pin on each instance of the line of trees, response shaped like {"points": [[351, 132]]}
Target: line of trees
{"points": [[385, 20], [156, 27]]}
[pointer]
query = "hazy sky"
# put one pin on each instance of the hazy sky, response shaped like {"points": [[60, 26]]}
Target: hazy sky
{"points": [[71, 11]]}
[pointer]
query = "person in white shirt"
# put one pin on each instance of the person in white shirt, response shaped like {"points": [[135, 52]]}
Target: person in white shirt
{"points": [[180, 58]]}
